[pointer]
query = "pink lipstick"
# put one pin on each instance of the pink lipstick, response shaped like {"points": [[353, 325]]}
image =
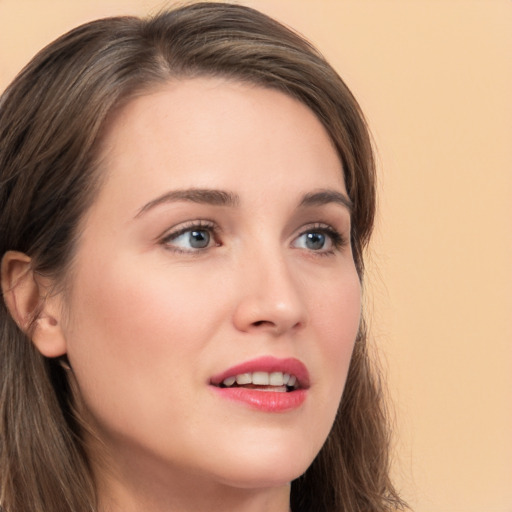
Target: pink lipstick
{"points": [[267, 384]]}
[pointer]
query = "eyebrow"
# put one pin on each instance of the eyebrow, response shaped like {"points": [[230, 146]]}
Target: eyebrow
{"points": [[326, 196], [223, 198], [194, 195]]}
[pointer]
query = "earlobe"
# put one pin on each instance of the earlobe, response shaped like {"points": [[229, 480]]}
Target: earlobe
{"points": [[27, 299]]}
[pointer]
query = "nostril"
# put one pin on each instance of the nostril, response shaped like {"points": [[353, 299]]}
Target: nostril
{"points": [[262, 322]]}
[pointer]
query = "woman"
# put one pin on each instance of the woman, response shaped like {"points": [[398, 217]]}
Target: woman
{"points": [[185, 201]]}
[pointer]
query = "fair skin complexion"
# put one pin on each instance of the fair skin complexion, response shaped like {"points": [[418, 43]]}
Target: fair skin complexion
{"points": [[221, 234]]}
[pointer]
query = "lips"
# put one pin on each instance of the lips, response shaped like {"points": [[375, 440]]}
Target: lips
{"points": [[258, 370], [268, 384]]}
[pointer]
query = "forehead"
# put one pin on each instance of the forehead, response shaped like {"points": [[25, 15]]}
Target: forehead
{"points": [[216, 133]]}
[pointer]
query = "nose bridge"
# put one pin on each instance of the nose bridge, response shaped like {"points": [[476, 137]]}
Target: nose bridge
{"points": [[270, 295]]}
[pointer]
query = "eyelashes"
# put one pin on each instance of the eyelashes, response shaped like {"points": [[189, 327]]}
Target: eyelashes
{"points": [[199, 236]]}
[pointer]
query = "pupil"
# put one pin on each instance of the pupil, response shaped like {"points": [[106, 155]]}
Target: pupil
{"points": [[199, 239], [315, 240]]}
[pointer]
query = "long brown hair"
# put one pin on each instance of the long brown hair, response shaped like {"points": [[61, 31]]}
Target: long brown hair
{"points": [[51, 121]]}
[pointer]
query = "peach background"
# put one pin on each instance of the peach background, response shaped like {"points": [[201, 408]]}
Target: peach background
{"points": [[435, 80]]}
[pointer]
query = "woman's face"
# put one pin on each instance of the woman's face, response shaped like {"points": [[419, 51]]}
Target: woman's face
{"points": [[218, 249]]}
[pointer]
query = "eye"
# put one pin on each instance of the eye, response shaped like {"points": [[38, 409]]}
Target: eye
{"points": [[315, 241], [321, 239], [191, 238]]}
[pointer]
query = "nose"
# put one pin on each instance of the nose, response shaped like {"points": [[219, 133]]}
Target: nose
{"points": [[270, 298]]}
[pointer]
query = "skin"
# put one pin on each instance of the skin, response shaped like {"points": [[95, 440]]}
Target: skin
{"points": [[149, 319]]}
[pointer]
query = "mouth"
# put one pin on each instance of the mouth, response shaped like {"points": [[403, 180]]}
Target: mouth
{"points": [[267, 383], [262, 381]]}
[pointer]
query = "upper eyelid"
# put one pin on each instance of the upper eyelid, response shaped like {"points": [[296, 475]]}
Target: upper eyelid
{"points": [[207, 224], [187, 226], [319, 226], [316, 225]]}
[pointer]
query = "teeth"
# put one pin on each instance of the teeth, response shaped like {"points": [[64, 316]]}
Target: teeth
{"points": [[260, 378], [244, 378], [229, 381], [278, 389], [276, 379]]}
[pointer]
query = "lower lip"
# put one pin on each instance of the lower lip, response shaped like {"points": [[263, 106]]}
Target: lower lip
{"points": [[266, 401]]}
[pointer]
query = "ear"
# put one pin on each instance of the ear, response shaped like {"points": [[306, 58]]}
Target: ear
{"points": [[30, 303]]}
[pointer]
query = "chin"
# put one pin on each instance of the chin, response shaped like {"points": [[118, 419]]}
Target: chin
{"points": [[264, 478], [265, 466]]}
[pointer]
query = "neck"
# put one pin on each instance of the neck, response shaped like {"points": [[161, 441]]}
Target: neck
{"points": [[137, 486], [179, 496]]}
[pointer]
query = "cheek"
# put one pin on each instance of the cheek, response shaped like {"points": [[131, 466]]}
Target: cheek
{"points": [[338, 316], [134, 332], [136, 309], [340, 308]]}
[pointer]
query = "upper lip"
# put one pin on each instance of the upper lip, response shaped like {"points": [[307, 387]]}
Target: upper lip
{"points": [[268, 364]]}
